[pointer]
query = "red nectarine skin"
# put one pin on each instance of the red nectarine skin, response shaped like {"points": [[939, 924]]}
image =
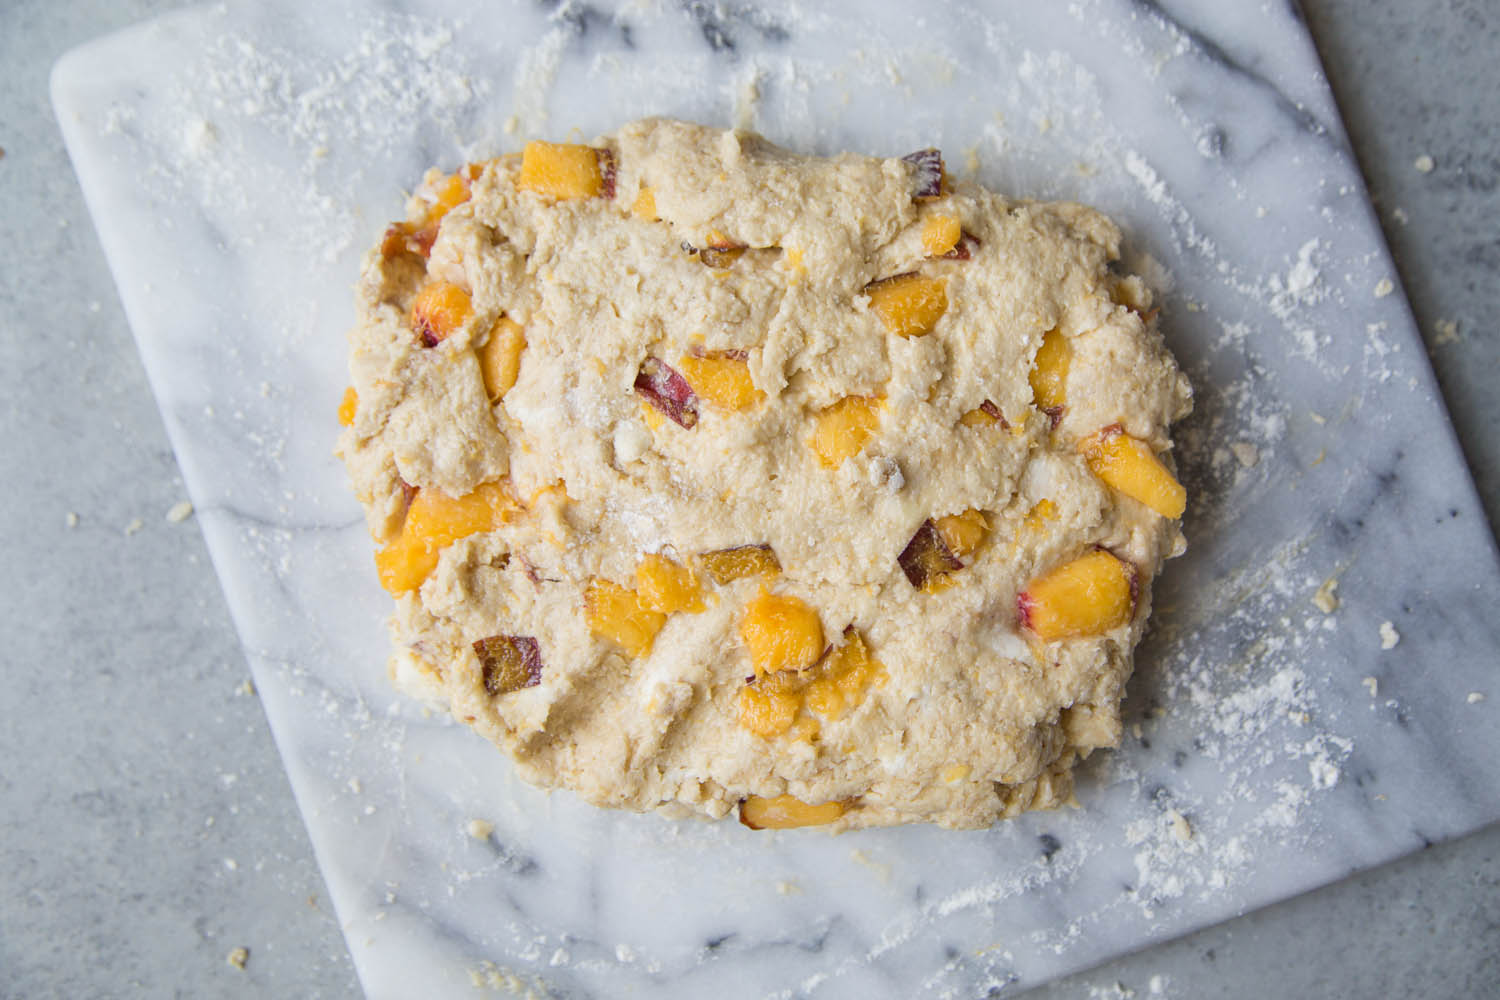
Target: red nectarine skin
{"points": [[927, 180], [926, 556], [665, 388]]}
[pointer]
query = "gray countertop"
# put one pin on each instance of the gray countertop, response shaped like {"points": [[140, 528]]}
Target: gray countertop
{"points": [[148, 827]]}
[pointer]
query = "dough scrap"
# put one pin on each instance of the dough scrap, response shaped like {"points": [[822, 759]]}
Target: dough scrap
{"points": [[727, 424]]}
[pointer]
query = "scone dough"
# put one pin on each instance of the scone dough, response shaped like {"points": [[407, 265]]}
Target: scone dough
{"points": [[702, 243]]}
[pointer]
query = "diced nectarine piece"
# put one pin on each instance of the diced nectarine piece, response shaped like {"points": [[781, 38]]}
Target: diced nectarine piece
{"points": [[664, 388], [452, 192], [500, 357], [986, 414], [721, 251], [940, 234], [927, 560], [767, 713], [840, 681], [908, 304], [929, 176], [842, 429], [785, 812], [781, 632], [663, 585], [644, 206], [728, 565], [1088, 596], [348, 406], [508, 663], [1127, 464], [722, 378], [963, 533], [616, 613], [561, 170], [434, 521], [1050, 376], [438, 310]]}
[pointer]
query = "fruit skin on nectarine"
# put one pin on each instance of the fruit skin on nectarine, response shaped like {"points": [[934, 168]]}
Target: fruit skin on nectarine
{"points": [[1090, 595]]}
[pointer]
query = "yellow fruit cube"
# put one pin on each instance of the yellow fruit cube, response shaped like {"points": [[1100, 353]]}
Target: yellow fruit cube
{"points": [[767, 713], [560, 170], [1088, 596], [348, 406], [940, 234], [781, 633], [645, 205], [433, 522], [615, 613], [438, 310], [662, 585], [963, 533], [785, 812], [1050, 376], [842, 429], [452, 192], [1127, 464], [908, 304], [728, 565], [721, 378], [500, 357], [986, 414], [841, 679]]}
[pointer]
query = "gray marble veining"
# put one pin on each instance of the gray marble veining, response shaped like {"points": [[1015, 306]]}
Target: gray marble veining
{"points": [[237, 162]]}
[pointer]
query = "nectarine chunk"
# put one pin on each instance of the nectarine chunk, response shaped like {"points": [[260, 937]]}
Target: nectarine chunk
{"points": [[561, 170], [348, 406], [785, 812], [434, 521], [781, 633], [1050, 376], [663, 585], [908, 304], [644, 206], [1088, 596], [1127, 464], [616, 613], [728, 565], [842, 429], [767, 713], [438, 310], [839, 682], [940, 234], [722, 378], [963, 533], [508, 663], [985, 414], [500, 357]]}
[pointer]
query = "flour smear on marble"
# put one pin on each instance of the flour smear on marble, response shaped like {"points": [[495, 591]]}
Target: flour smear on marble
{"points": [[1260, 715]]}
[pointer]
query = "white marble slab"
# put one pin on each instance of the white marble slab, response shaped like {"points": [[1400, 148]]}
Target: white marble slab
{"points": [[237, 160]]}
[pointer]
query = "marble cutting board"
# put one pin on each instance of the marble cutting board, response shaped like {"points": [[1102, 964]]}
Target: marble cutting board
{"points": [[236, 161]]}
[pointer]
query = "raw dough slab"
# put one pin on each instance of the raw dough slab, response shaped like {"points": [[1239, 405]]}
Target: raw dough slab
{"points": [[233, 185]]}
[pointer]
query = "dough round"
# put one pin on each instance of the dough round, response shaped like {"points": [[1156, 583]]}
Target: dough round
{"points": [[711, 477]]}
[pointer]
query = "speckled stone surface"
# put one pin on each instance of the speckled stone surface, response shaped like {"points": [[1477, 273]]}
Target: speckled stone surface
{"points": [[147, 826]]}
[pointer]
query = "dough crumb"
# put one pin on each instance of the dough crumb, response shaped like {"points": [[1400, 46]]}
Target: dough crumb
{"points": [[1388, 636], [231, 864], [1445, 331], [238, 957], [247, 687], [882, 870], [1399, 214], [786, 887], [1424, 164], [1245, 453], [71, 519], [1181, 828], [134, 526], [1157, 985], [1372, 684], [1474, 698], [179, 512], [1325, 599], [480, 829], [1384, 287], [354, 786], [1325, 773]]}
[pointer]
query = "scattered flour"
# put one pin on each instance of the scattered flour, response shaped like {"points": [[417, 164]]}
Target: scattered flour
{"points": [[1474, 698], [1445, 331], [1388, 636], [1384, 287], [1325, 598], [1424, 164]]}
